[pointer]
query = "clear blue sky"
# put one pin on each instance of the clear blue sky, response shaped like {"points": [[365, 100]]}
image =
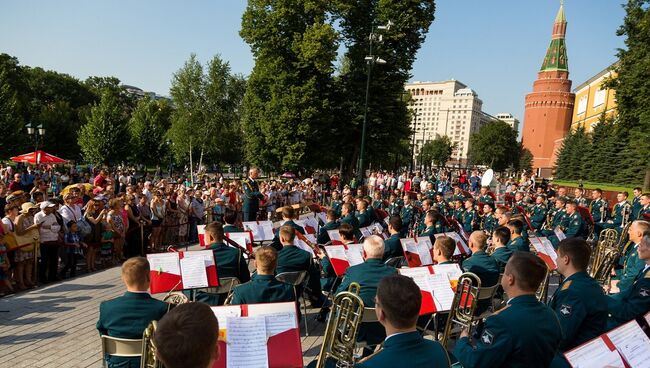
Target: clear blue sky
{"points": [[496, 47]]}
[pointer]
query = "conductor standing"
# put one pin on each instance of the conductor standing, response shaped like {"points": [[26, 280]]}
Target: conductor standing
{"points": [[252, 196]]}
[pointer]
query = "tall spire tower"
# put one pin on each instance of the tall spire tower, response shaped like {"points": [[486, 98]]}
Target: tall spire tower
{"points": [[549, 106]]}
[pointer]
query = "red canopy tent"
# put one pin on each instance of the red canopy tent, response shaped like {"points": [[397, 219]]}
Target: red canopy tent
{"points": [[38, 157]]}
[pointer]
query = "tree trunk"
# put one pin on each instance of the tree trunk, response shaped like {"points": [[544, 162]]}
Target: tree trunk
{"points": [[646, 180]]}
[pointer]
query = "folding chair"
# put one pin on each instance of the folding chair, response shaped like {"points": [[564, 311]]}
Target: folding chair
{"points": [[296, 278], [119, 347]]}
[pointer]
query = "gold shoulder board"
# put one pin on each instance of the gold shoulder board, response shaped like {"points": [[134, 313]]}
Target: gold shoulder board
{"points": [[566, 285]]}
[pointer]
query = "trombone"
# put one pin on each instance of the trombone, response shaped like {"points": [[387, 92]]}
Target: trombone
{"points": [[464, 305]]}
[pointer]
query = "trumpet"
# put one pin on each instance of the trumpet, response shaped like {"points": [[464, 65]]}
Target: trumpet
{"points": [[463, 306], [343, 324]]}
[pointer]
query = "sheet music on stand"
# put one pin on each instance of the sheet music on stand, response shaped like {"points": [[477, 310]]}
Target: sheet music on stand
{"points": [[625, 346], [545, 250], [262, 231], [420, 247], [243, 240], [322, 216], [334, 235], [246, 347], [461, 245], [193, 273], [436, 288], [367, 231]]}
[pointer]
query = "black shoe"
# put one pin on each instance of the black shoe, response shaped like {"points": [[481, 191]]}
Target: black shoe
{"points": [[322, 314]]}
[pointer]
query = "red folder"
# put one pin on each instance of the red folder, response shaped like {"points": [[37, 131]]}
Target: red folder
{"points": [[284, 349], [162, 282], [413, 259]]}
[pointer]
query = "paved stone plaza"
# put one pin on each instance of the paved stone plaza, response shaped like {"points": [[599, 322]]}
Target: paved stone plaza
{"points": [[54, 326]]}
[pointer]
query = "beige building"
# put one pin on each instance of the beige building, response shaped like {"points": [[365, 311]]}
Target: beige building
{"points": [[593, 100], [445, 108], [509, 119]]}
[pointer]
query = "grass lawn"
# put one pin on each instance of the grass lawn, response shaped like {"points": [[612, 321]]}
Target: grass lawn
{"points": [[603, 186]]}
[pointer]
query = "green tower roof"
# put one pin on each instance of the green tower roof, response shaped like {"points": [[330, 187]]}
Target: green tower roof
{"points": [[556, 55]]}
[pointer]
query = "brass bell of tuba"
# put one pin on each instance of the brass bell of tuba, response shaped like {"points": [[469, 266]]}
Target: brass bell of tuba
{"points": [[464, 305]]}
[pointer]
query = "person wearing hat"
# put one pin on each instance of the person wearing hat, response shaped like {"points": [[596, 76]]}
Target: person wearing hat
{"points": [[24, 257], [49, 234]]}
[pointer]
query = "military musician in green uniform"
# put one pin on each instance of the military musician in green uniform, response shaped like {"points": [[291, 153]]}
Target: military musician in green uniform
{"points": [[506, 341], [252, 196], [263, 287]]}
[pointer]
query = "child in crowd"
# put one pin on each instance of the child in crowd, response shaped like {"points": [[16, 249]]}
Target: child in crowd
{"points": [[4, 265], [106, 249], [72, 250]]}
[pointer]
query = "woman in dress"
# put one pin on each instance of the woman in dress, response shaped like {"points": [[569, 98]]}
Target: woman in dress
{"points": [[24, 257], [95, 214], [157, 218], [116, 223], [182, 204]]}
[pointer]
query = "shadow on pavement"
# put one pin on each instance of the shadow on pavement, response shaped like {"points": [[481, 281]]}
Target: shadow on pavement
{"points": [[17, 339]]}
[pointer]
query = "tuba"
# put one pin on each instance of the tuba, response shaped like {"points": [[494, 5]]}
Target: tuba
{"points": [[343, 324], [149, 358], [607, 241], [463, 306]]}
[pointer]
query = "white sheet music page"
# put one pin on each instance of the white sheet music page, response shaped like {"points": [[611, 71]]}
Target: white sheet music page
{"points": [[193, 273], [302, 245], [425, 240], [279, 317], [246, 346], [560, 234], [322, 216], [409, 245], [548, 249], [421, 279], [452, 270], [354, 254], [632, 343], [367, 231], [206, 255], [164, 262], [266, 228], [443, 295], [222, 313], [594, 354], [424, 250], [334, 235], [460, 243]]}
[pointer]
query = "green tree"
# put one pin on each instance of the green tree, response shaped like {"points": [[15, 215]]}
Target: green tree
{"points": [[632, 86], [207, 111], [147, 129], [525, 159], [388, 118], [11, 123], [104, 138], [287, 107], [571, 155], [494, 145], [437, 151]]}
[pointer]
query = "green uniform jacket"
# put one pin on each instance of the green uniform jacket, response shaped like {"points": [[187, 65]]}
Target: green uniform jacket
{"points": [[631, 302], [582, 201], [230, 263], [275, 243], [518, 244], [292, 258], [484, 266], [252, 197], [364, 219], [501, 255], [525, 334], [486, 199], [263, 289], [636, 208], [632, 265], [575, 226], [581, 308], [406, 214], [469, 221], [392, 247], [538, 216], [489, 222], [323, 237], [458, 214], [408, 349], [336, 206], [367, 275], [127, 317], [231, 229], [599, 210], [351, 220], [430, 194], [430, 231]]}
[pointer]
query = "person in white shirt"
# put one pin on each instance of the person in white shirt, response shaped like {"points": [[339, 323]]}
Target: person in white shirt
{"points": [[49, 232], [70, 211]]}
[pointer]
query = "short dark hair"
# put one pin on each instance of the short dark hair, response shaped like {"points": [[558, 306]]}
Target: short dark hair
{"points": [[529, 270], [288, 212], [216, 230], [346, 231], [447, 245], [349, 207], [187, 336], [400, 299], [578, 251], [624, 194], [502, 233], [598, 190], [638, 189], [230, 217], [331, 214], [395, 222], [517, 226]]}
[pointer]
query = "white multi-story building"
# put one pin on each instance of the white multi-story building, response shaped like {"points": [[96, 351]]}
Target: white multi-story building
{"points": [[445, 108], [509, 119]]}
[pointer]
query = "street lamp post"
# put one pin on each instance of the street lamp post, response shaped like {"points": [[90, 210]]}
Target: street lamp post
{"points": [[36, 133], [370, 61]]}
